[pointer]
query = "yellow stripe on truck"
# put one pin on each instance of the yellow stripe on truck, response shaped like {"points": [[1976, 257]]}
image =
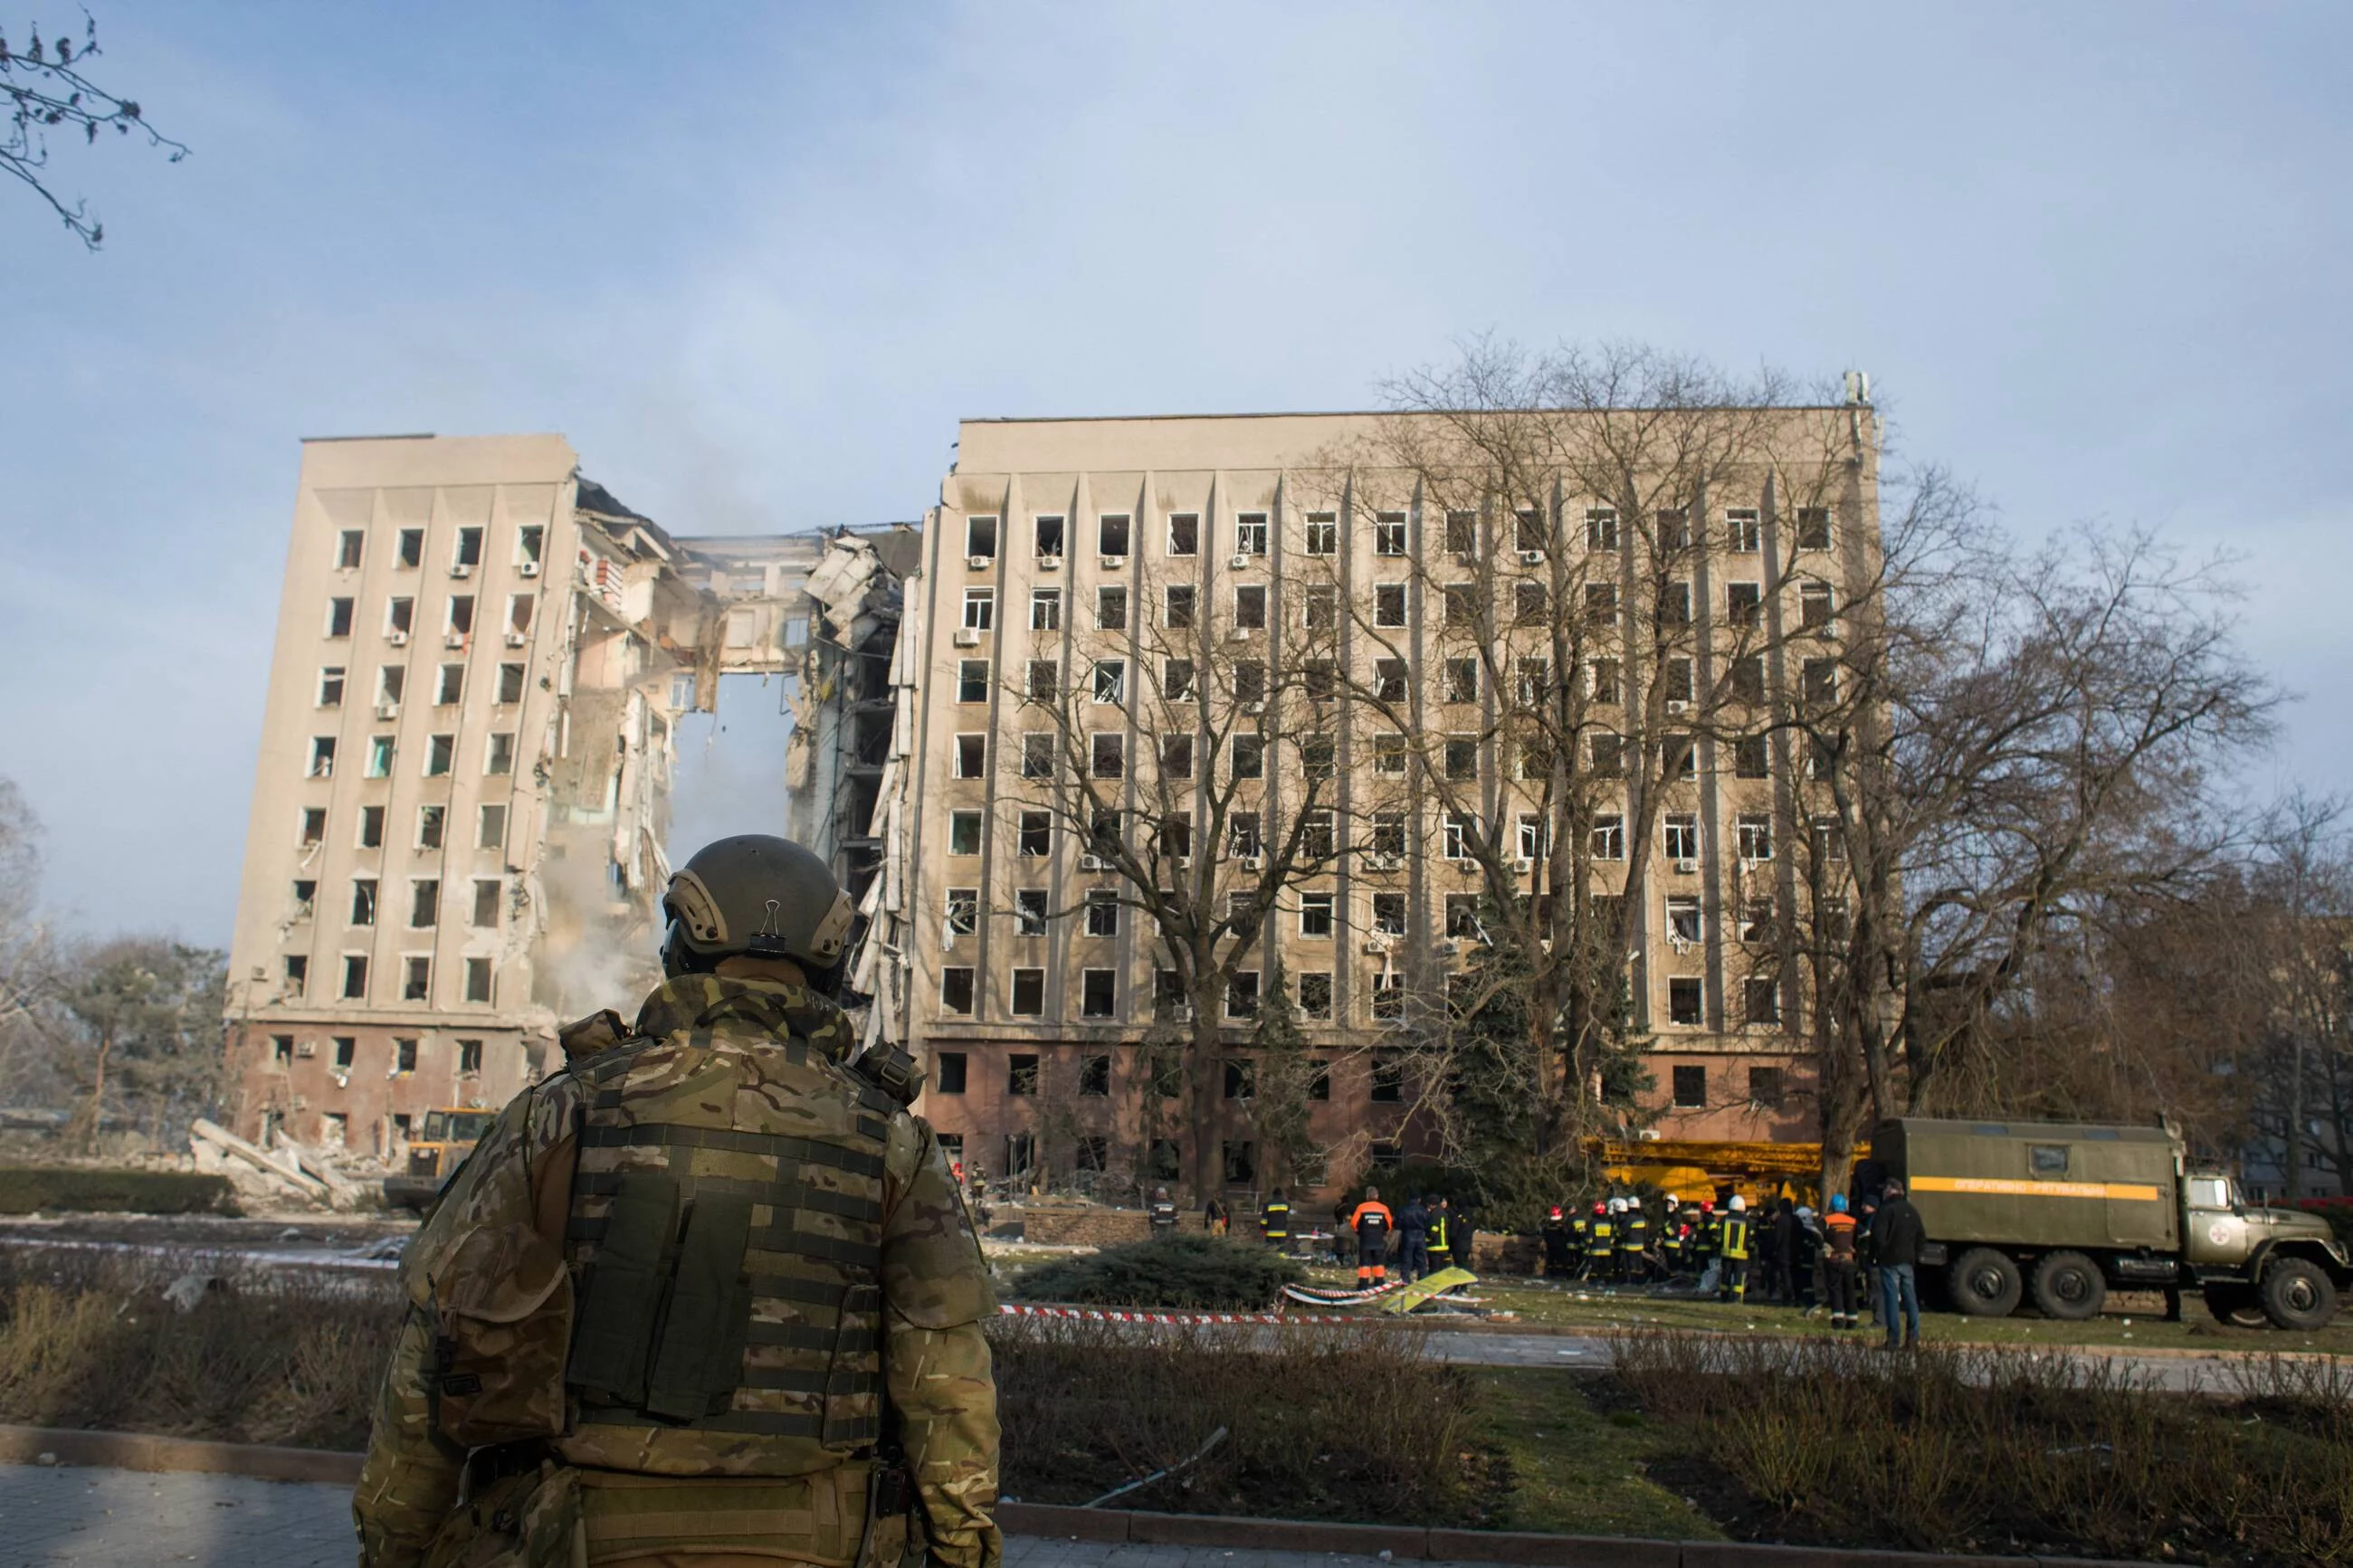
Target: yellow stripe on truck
{"points": [[2130, 1191]]}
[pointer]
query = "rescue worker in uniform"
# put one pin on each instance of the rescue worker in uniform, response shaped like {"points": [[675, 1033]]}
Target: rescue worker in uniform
{"points": [[1604, 1239], [1839, 1274], [1275, 1217], [1160, 1214], [1413, 1238], [1441, 1234], [705, 1297], [1556, 1244], [1732, 1232], [1580, 1242], [1633, 1243], [1372, 1222]]}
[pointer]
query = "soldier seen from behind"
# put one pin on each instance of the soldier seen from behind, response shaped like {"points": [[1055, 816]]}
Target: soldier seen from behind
{"points": [[706, 1297]]}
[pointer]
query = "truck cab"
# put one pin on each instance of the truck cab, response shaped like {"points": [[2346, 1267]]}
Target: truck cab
{"points": [[2244, 1255]]}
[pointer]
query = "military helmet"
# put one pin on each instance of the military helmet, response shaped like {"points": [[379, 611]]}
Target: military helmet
{"points": [[755, 895]]}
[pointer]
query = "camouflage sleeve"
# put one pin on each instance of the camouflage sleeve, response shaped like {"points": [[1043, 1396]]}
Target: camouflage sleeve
{"points": [[935, 1358], [409, 1481]]}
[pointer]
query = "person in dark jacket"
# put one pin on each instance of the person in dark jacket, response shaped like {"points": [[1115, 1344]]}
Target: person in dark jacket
{"points": [[1783, 1275], [1556, 1244], [1895, 1236], [1413, 1238]]}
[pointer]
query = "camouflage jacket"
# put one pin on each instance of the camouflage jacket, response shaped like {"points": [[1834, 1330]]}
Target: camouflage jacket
{"points": [[941, 1393]]}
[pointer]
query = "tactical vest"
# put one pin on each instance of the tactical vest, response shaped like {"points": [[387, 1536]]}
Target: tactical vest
{"points": [[726, 1234]]}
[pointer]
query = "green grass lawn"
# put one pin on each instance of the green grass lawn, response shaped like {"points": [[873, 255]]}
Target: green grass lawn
{"points": [[1574, 1470]]}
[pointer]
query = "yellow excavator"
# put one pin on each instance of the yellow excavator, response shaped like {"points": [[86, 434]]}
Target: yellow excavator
{"points": [[449, 1134], [1690, 1168]]}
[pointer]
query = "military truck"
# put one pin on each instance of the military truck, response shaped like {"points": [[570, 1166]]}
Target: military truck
{"points": [[2060, 1212], [440, 1146]]}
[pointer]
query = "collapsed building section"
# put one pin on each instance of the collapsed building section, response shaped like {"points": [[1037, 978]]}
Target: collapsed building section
{"points": [[458, 820]]}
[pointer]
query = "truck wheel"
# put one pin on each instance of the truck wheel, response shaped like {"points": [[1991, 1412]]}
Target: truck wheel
{"points": [[1985, 1283], [2297, 1295], [2068, 1286], [2235, 1305]]}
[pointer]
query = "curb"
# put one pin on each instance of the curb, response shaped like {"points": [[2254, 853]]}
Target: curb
{"points": [[258, 1461]]}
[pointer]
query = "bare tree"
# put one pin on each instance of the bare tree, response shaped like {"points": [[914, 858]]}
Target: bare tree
{"points": [[46, 87]]}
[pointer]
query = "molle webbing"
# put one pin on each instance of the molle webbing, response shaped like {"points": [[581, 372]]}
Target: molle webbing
{"points": [[777, 1144], [623, 1292]]}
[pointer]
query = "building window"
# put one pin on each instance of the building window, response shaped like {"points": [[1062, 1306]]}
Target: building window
{"points": [[363, 901], [1674, 604], [1315, 914], [462, 615], [1462, 532], [1111, 534], [1095, 1077], [1107, 756], [450, 685], [1184, 533], [956, 992], [499, 758], [399, 618], [470, 1056], [339, 618], [1111, 681], [1241, 1078], [424, 903], [1102, 913], [1037, 754], [1319, 607], [971, 756], [1250, 533], [1462, 680], [1756, 921], [972, 680], [1049, 537], [980, 537], [948, 1068], [1045, 682], [346, 1047], [298, 974], [1459, 604], [1748, 680], [1458, 836], [1241, 995], [1029, 912], [510, 684], [1765, 1087], [1098, 994], [478, 980], [964, 833], [379, 763], [1682, 837], [1390, 679], [331, 686], [1744, 603], [1684, 1000], [1029, 994], [1388, 604], [1036, 835], [1753, 834], [1600, 528], [486, 903], [417, 983], [1815, 607], [1021, 1069], [1177, 756], [1743, 534], [371, 827], [1691, 1088], [314, 825], [1044, 609], [1323, 533], [491, 829], [1750, 758], [979, 609], [963, 911], [1813, 528], [1764, 998], [1677, 679], [1389, 755], [1608, 838], [347, 550], [1176, 679], [1250, 756], [355, 967], [1176, 603], [1388, 997], [1388, 914], [1682, 920], [438, 750], [1389, 533], [1678, 757], [1111, 609], [1462, 758], [323, 757], [1389, 1079], [1242, 834], [1249, 607]]}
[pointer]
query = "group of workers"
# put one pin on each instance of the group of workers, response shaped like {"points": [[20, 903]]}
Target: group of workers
{"points": [[1797, 1256], [1426, 1234]]}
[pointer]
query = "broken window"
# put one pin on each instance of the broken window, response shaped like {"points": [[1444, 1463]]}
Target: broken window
{"points": [[1388, 604], [1176, 679], [1388, 914], [371, 827], [491, 829], [1111, 609], [1177, 756], [1532, 835], [306, 893], [1608, 751], [1037, 754], [1094, 1072], [1111, 534], [323, 757], [331, 686], [424, 903], [1249, 607], [346, 1047], [1820, 683], [1462, 680], [468, 550], [1678, 676], [1748, 679], [1682, 837], [1320, 607], [1813, 528], [1242, 834], [971, 756], [1756, 920], [486, 902], [461, 615], [1323, 532], [1389, 754], [1176, 605], [510, 683], [979, 609], [964, 911], [1686, 997], [1102, 913], [500, 759], [1535, 757], [980, 537], [972, 680], [1764, 999], [339, 618], [1250, 533], [529, 539], [1389, 833], [1111, 681], [1529, 602], [1463, 532], [1815, 603], [1320, 680], [1319, 757], [1176, 833], [1674, 604], [363, 901], [964, 833], [379, 763], [1045, 682], [1044, 609], [1753, 833], [411, 551], [1602, 604], [1049, 537], [298, 974], [1107, 756], [450, 688], [1184, 533], [1028, 1002], [956, 991], [1683, 918], [1250, 682], [1098, 994], [1390, 679], [949, 1068], [1608, 838], [355, 976], [1250, 756], [417, 982], [1678, 757], [518, 613], [469, 1058], [1458, 604], [1241, 995], [478, 980], [1036, 835], [1744, 603], [1461, 757], [391, 680], [1750, 758], [1029, 912], [399, 618]]}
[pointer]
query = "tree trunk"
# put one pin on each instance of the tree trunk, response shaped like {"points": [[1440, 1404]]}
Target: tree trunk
{"points": [[98, 1094], [1204, 1085]]}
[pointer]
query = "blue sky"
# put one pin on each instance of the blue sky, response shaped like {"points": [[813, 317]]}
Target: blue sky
{"points": [[757, 262]]}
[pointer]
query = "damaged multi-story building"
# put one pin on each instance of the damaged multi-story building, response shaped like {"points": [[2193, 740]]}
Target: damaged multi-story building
{"points": [[458, 816]]}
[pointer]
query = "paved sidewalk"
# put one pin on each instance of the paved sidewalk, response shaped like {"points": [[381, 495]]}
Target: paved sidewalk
{"points": [[132, 1518]]}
